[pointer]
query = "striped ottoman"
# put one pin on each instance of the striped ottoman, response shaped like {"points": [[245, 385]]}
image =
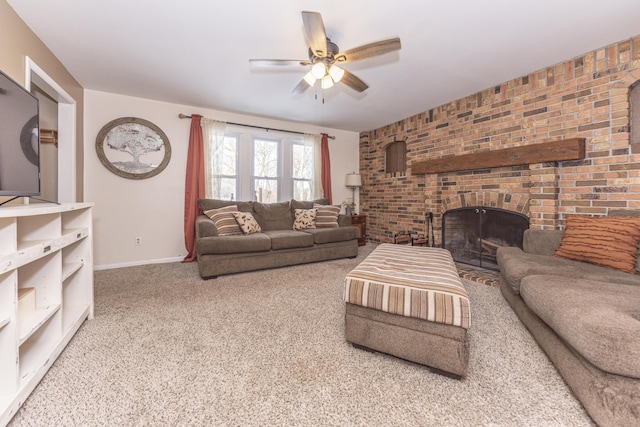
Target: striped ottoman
{"points": [[409, 302]]}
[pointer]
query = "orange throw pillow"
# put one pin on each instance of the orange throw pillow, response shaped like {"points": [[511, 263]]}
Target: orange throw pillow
{"points": [[606, 241]]}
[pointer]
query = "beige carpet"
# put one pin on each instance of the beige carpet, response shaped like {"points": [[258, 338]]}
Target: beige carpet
{"points": [[267, 348]]}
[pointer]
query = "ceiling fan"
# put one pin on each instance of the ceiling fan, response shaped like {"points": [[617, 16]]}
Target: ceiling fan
{"points": [[324, 57]]}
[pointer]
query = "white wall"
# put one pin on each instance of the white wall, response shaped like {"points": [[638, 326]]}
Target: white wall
{"points": [[153, 208]]}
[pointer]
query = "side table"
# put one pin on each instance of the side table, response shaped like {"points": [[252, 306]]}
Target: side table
{"points": [[360, 221]]}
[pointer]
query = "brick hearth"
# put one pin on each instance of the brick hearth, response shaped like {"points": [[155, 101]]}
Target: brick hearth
{"points": [[479, 275]]}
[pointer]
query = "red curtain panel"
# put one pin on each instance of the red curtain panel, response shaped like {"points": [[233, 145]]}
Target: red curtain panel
{"points": [[326, 167], [194, 186]]}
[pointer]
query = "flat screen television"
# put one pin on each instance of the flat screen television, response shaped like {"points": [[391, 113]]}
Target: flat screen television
{"points": [[19, 140]]}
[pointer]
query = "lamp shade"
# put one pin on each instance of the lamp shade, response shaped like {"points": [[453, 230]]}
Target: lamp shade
{"points": [[326, 82], [319, 70], [353, 180], [310, 78], [336, 73]]}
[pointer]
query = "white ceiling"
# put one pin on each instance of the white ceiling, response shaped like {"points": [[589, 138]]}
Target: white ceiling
{"points": [[196, 52]]}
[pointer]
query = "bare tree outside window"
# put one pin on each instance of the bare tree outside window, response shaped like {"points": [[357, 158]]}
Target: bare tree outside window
{"points": [[244, 166], [302, 171], [224, 161], [265, 170]]}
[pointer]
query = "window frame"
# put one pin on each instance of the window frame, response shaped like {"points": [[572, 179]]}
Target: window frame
{"points": [[245, 162]]}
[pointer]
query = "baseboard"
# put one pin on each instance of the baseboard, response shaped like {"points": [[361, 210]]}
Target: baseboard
{"points": [[137, 263]]}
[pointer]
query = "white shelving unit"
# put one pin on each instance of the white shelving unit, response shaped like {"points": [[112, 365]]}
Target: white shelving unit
{"points": [[48, 248]]}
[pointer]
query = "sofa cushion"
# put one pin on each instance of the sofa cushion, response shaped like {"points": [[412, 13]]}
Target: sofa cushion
{"points": [[304, 218], [289, 239], [301, 204], [607, 241], [207, 204], [247, 222], [600, 320], [307, 204], [273, 216], [327, 216], [329, 235], [542, 242], [257, 242], [224, 220], [515, 264]]}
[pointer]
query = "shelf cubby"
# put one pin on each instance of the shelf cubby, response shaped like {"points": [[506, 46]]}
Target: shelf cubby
{"points": [[46, 256], [8, 239]]}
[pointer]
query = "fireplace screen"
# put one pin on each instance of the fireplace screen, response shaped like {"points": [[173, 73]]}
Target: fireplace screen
{"points": [[474, 234]]}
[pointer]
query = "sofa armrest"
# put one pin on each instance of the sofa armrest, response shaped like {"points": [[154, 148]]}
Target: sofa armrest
{"points": [[541, 242], [344, 220], [205, 227]]}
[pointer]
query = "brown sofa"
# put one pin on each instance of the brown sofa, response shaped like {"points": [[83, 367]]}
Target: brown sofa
{"points": [[278, 245], [585, 317]]}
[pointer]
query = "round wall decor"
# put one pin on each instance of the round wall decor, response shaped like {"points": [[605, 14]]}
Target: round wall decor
{"points": [[133, 148]]}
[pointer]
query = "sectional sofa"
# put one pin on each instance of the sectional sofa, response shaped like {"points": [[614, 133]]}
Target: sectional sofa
{"points": [[584, 315]]}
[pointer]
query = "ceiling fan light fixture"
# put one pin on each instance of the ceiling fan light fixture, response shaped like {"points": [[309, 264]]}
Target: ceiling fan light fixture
{"points": [[310, 78], [336, 73], [319, 70], [327, 82]]}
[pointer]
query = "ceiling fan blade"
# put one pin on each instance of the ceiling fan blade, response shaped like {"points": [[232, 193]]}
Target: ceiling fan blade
{"points": [[353, 82], [301, 87], [315, 33], [277, 62], [369, 50]]}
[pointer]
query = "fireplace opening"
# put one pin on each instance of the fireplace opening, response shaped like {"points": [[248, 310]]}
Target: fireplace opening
{"points": [[473, 234]]}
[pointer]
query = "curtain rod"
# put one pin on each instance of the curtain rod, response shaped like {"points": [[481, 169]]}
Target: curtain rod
{"points": [[184, 116]]}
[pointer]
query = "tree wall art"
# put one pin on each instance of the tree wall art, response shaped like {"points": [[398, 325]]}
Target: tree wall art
{"points": [[133, 148]]}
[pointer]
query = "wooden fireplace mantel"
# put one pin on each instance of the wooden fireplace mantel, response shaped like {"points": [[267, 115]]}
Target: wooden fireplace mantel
{"points": [[554, 151]]}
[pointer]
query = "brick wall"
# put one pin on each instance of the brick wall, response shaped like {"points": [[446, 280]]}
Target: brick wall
{"points": [[585, 97]]}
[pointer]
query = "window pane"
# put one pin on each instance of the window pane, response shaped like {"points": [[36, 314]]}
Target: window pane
{"points": [[265, 158], [302, 167], [224, 159], [266, 190], [229, 156], [302, 190], [224, 188]]}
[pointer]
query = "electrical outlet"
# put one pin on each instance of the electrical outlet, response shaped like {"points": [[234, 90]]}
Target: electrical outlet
{"points": [[138, 241]]}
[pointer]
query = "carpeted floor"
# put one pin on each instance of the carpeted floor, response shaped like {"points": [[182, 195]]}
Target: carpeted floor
{"points": [[267, 348]]}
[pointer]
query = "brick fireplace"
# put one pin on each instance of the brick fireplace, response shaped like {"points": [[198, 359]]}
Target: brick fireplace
{"points": [[585, 97], [474, 233]]}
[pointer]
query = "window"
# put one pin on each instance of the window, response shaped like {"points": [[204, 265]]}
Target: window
{"points": [[634, 103], [266, 173], [224, 159], [262, 167], [302, 171], [396, 161]]}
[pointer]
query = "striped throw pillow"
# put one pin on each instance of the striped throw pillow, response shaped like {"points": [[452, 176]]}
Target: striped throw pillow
{"points": [[225, 221], [327, 216], [606, 241]]}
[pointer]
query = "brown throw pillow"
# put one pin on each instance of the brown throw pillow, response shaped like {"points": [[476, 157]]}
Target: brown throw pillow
{"points": [[224, 220], [607, 241], [327, 216]]}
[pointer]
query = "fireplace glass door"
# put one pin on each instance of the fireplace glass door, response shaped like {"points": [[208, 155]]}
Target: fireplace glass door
{"points": [[474, 234]]}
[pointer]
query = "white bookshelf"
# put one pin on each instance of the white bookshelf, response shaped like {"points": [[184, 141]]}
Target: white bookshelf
{"points": [[48, 248]]}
